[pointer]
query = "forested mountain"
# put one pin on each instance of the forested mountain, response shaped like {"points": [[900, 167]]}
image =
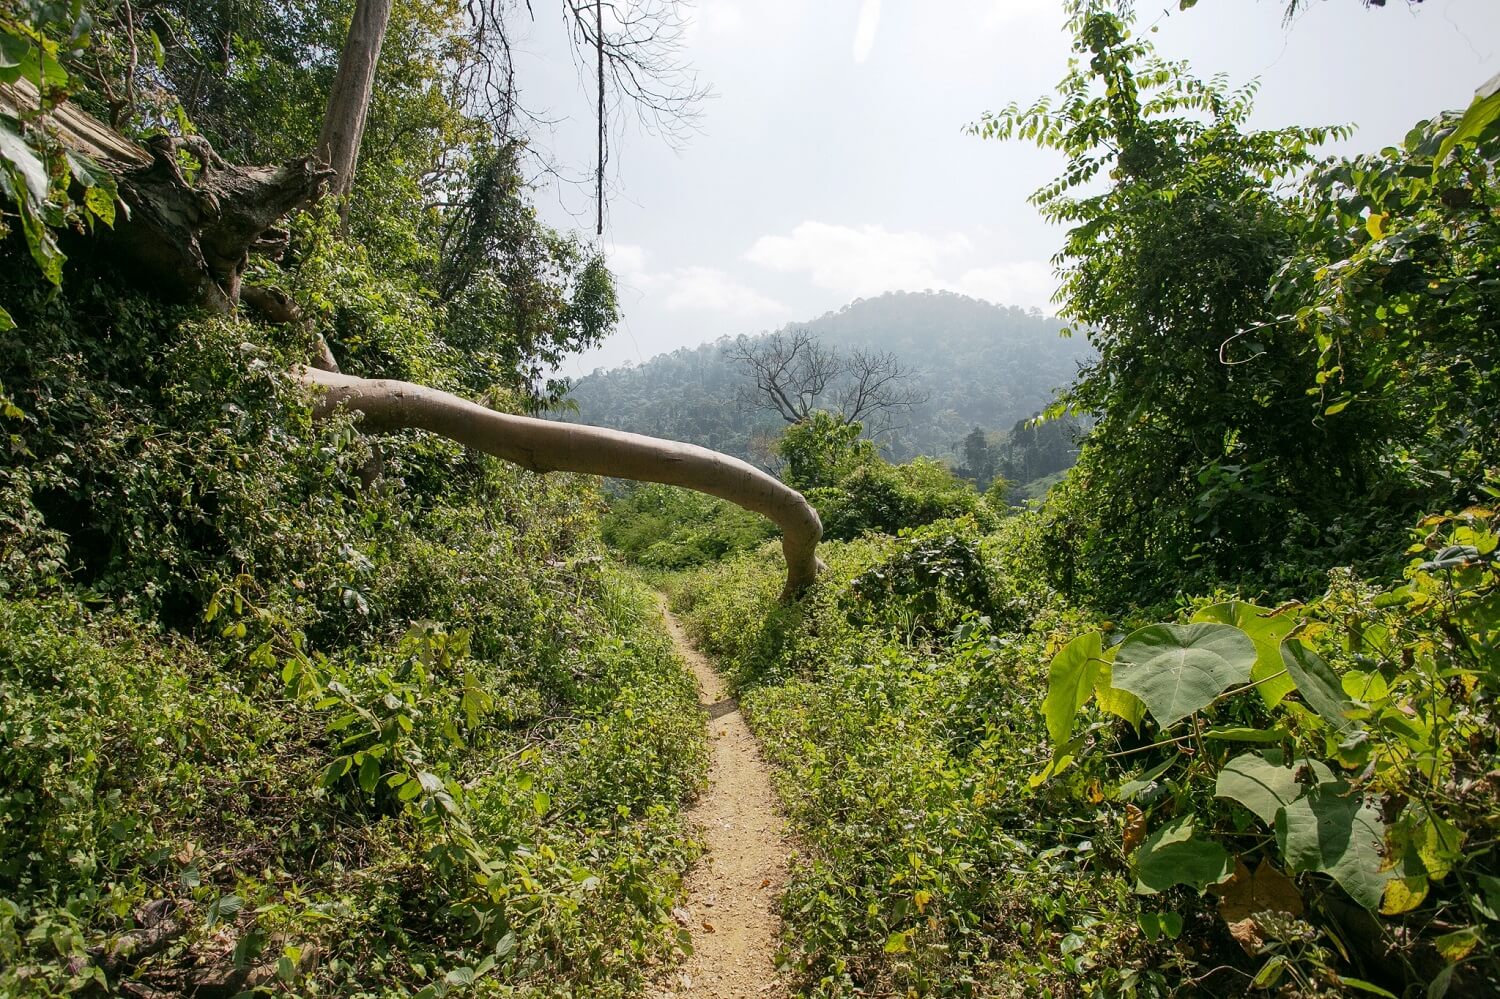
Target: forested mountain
{"points": [[979, 364]]}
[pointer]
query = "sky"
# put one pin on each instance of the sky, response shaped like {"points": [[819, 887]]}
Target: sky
{"points": [[830, 161]]}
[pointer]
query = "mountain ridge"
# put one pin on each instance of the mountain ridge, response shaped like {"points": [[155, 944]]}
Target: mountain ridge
{"points": [[981, 364]]}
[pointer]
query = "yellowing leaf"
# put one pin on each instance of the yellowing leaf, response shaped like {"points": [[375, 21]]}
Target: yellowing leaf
{"points": [[1457, 945], [1375, 225], [1403, 895], [1135, 828]]}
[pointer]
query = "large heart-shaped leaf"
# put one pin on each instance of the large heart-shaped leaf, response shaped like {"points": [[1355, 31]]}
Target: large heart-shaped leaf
{"points": [[1318, 684], [1175, 855], [1266, 629], [1070, 683], [1120, 703], [1264, 784], [1332, 828], [1177, 669]]}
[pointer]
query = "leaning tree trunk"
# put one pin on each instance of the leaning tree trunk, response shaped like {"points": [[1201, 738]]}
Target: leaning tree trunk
{"points": [[546, 446], [349, 100]]}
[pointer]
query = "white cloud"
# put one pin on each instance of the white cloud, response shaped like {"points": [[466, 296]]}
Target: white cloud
{"points": [[865, 28], [694, 288], [1022, 282], [626, 259], [709, 289], [861, 261]]}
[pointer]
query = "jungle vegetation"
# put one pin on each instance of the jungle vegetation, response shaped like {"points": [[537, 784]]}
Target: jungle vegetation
{"points": [[300, 699]]}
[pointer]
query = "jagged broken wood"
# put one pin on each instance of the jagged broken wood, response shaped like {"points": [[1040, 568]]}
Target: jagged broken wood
{"points": [[546, 446]]}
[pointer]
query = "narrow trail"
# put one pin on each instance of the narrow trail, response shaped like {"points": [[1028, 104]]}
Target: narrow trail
{"points": [[734, 889]]}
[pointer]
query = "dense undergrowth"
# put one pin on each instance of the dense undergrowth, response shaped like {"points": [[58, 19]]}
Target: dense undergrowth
{"points": [[952, 851], [290, 709]]}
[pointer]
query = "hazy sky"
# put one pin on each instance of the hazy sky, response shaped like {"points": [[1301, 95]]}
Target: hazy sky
{"points": [[831, 162]]}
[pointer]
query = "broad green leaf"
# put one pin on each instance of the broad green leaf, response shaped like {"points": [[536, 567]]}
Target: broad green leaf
{"points": [[1487, 900], [1267, 629], [541, 803], [13, 53], [1262, 783], [1177, 669], [26, 163], [1174, 855], [1070, 683], [1318, 684], [6, 322], [1366, 687], [1332, 829], [1270, 973], [1120, 703], [369, 774], [1482, 113]]}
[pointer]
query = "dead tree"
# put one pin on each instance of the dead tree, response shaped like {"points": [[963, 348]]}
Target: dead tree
{"points": [[793, 374], [546, 446]]}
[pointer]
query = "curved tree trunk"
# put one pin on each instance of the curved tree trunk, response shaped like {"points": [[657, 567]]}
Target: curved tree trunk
{"points": [[191, 238], [545, 446]]}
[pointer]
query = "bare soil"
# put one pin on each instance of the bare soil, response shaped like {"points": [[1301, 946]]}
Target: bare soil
{"points": [[734, 890]]}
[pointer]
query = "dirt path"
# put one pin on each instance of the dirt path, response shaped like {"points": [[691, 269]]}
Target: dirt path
{"points": [[734, 890]]}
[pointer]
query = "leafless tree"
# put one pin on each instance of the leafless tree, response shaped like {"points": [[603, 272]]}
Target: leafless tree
{"points": [[794, 374], [875, 386]]}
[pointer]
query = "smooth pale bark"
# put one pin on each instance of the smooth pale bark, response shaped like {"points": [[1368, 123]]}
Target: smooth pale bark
{"points": [[349, 100], [545, 446]]}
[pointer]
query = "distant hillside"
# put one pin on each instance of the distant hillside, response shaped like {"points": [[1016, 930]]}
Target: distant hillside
{"points": [[982, 365]]}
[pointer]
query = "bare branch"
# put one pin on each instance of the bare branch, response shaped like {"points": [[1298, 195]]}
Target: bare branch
{"points": [[794, 374]]}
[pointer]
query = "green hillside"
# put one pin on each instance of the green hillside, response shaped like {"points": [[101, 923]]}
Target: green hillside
{"points": [[979, 364]]}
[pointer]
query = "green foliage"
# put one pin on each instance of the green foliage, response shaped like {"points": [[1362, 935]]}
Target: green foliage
{"points": [[823, 450], [381, 725], [1288, 837], [51, 188], [979, 364], [663, 527], [855, 490], [1207, 447], [901, 717], [1379, 749]]}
